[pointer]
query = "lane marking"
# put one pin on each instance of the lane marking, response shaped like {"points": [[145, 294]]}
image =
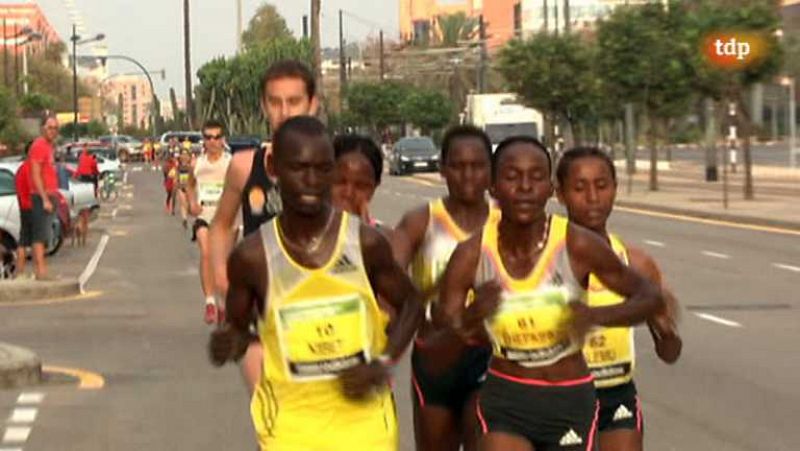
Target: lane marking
{"points": [[88, 379], [718, 320], [10, 449], [92, 265], [16, 434], [114, 213], [716, 255], [654, 243], [80, 297], [137, 169], [423, 182], [716, 222], [23, 415], [125, 178], [30, 398], [786, 267]]}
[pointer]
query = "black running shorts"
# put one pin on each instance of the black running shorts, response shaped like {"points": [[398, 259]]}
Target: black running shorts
{"points": [[452, 388], [620, 408]]}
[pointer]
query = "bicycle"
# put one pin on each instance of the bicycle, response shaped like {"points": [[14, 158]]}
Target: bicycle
{"points": [[109, 192]]}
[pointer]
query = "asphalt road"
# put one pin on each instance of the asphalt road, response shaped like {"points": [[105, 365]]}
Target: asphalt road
{"points": [[735, 387]]}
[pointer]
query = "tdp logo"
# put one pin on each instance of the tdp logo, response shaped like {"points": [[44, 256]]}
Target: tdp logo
{"points": [[735, 50]]}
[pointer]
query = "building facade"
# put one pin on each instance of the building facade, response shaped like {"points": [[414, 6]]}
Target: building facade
{"points": [[135, 96], [16, 17]]}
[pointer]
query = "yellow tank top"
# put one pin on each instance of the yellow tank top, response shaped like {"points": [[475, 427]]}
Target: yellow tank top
{"points": [[531, 326], [609, 351]]}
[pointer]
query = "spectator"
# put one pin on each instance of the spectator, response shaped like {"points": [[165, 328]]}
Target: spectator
{"points": [[87, 168], [23, 188], [44, 186]]}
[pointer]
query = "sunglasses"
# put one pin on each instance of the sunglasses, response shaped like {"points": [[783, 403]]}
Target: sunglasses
{"points": [[210, 137]]}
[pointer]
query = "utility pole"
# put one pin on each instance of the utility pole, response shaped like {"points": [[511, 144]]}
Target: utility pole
{"points": [[546, 15], [711, 141], [484, 57], [567, 24], [187, 61], [305, 26], [74, 39], [316, 8], [5, 53], [16, 60], [630, 145], [239, 26], [382, 62], [342, 64]]}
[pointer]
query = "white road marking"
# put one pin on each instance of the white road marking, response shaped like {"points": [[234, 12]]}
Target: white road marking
{"points": [[114, 214], [128, 195], [654, 243], [718, 320], [23, 415], [10, 449], [786, 267], [30, 398], [716, 255], [137, 169], [16, 434], [125, 178], [91, 267]]}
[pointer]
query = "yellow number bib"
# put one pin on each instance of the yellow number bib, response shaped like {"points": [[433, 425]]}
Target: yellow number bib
{"points": [[183, 178], [609, 353], [323, 337], [209, 193], [531, 328]]}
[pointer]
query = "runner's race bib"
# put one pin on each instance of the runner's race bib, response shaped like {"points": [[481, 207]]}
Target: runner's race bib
{"points": [[209, 193], [531, 328], [609, 353], [324, 337]]}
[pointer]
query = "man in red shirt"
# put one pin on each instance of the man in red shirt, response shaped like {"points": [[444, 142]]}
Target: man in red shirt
{"points": [[87, 168], [23, 189], [44, 185]]}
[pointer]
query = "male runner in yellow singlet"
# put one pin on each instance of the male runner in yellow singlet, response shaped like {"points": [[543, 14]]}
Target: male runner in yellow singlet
{"points": [[313, 274]]}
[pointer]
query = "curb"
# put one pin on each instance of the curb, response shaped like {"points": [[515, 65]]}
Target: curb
{"points": [[742, 220], [18, 367], [31, 290]]}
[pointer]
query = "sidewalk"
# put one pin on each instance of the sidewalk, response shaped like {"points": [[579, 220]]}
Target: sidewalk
{"points": [[18, 367], [67, 264], [683, 190]]}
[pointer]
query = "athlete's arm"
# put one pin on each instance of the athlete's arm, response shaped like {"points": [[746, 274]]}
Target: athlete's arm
{"points": [[408, 235], [191, 193], [589, 254], [248, 285], [220, 239], [662, 326], [393, 285]]}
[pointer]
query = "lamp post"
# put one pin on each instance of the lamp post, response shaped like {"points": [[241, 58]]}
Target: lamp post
{"points": [[790, 82], [76, 40], [34, 36]]}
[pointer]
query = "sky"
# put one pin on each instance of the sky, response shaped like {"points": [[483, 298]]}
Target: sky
{"points": [[151, 31]]}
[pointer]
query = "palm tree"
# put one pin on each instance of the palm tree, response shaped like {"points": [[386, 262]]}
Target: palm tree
{"points": [[453, 28]]}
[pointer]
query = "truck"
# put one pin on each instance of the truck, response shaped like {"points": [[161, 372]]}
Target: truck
{"points": [[502, 115]]}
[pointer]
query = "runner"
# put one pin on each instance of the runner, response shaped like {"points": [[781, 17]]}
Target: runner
{"points": [[359, 166], [170, 171], [204, 191], [530, 272], [288, 90], [185, 168], [313, 274], [587, 186], [426, 238]]}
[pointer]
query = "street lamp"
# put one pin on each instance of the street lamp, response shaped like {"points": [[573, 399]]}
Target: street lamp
{"points": [[34, 36], [76, 41], [789, 82]]}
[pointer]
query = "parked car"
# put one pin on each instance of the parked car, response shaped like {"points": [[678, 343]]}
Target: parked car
{"points": [[127, 147], [10, 222], [195, 138], [243, 142], [412, 154]]}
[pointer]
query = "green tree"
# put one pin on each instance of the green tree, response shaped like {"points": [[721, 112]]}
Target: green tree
{"points": [[230, 88], [377, 105], [644, 58], [11, 132], [427, 109], [725, 85], [35, 103], [453, 28], [552, 73], [266, 25]]}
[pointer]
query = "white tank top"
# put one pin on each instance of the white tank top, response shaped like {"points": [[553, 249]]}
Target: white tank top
{"points": [[210, 181]]}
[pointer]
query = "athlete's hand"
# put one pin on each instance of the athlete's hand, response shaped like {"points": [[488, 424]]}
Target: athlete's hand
{"points": [[47, 205], [195, 209], [485, 303], [226, 344], [582, 320], [361, 381]]}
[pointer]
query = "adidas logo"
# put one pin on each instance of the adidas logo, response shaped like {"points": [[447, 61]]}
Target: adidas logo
{"points": [[571, 438], [622, 413], [343, 265]]}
